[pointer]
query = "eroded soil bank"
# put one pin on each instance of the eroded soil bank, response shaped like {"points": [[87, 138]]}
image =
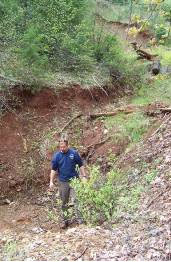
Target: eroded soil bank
{"points": [[30, 119], [29, 215]]}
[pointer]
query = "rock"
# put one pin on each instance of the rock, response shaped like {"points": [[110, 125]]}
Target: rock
{"points": [[37, 230], [100, 159], [168, 159], [139, 257], [105, 132], [71, 230], [29, 259], [155, 232]]}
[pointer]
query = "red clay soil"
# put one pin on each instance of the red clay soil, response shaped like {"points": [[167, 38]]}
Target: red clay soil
{"points": [[31, 116]]}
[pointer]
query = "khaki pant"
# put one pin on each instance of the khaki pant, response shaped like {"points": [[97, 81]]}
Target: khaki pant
{"points": [[67, 193]]}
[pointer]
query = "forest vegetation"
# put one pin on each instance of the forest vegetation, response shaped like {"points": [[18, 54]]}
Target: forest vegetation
{"points": [[52, 42], [86, 66]]}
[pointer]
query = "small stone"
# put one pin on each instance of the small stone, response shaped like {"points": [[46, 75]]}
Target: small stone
{"points": [[139, 257], [37, 230], [105, 131], [29, 259], [100, 159], [154, 232]]}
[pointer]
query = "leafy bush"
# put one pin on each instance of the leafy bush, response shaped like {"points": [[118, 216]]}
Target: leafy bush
{"points": [[98, 196], [103, 199]]}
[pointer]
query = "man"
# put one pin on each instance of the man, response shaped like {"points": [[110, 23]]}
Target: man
{"points": [[64, 165]]}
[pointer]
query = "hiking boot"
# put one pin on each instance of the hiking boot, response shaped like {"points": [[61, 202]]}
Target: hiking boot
{"points": [[64, 224]]}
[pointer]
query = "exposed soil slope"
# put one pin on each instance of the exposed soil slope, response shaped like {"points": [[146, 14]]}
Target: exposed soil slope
{"points": [[22, 129]]}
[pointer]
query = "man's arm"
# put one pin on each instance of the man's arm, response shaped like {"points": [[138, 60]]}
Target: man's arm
{"points": [[52, 176], [54, 169], [82, 172]]}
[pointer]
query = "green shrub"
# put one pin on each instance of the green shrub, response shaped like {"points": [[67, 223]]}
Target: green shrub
{"points": [[128, 200], [149, 177], [98, 196], [103, 199]]}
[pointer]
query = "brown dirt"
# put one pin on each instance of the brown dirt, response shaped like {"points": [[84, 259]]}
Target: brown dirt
{"points": [[24, 124]]}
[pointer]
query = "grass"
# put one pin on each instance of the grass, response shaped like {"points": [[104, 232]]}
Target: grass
{"points": [[149, 177], [118, 12], [10, 250], [132, 126], [114, 12], [164, 54], [129, 199], [158, 91]]}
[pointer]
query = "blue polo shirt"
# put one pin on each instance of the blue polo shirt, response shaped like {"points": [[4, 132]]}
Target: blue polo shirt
{"points": [[65, 164]]}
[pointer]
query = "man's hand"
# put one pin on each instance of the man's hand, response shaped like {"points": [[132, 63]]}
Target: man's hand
{"points": [[84, 179], [82, 171], [52, 175]]}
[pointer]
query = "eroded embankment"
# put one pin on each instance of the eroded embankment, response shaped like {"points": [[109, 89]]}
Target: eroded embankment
{"points": [[29, 137], [30, 128]]}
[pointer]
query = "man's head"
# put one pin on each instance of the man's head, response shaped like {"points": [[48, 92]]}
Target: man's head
{"points": [[63, 146]]}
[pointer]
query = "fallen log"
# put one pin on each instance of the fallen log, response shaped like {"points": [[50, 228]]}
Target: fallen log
{"points": [[127, 110], [143, 54], [119, 110], [165, 110]]}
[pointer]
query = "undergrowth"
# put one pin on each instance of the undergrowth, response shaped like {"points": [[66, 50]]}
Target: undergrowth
{"points": [[103, 199], [132, 126], [158, 91]]}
